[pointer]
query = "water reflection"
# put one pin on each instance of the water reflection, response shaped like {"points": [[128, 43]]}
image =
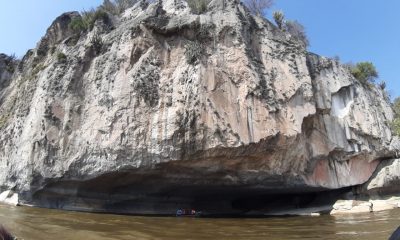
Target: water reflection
{"points": [[34, 223]]}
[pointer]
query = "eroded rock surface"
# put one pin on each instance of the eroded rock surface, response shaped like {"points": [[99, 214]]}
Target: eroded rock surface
{"points": [[351, 207], [9, 197], [386, 178], [144, 124], [385, 181]]}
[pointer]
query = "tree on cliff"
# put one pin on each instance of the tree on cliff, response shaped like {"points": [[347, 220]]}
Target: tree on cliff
{"points": [[258, 7], [279, 19], [297, 31], [10, 61], [294, 28], [365, 72]]}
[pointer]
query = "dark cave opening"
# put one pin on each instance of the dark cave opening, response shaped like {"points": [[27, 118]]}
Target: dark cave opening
{"points": [[128, 193]]}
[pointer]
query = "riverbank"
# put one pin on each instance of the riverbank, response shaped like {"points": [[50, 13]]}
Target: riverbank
{"points": [[38, 224]]}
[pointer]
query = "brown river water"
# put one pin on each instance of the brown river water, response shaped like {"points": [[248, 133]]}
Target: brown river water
{"points": [[34, 223]]}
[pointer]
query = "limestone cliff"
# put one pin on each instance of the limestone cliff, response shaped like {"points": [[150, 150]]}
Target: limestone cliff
{"points": [[161, 108], [386, 178]]}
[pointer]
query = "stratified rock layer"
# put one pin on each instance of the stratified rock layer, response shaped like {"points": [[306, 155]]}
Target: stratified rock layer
{"points": [[128, 117]]}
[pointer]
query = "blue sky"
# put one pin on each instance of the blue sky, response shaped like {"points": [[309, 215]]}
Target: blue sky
{"points": [[24, 22], [354, 30]]}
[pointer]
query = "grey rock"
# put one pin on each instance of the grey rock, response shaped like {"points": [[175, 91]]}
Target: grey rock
{"points": [[9, 197], [385, 180], [351, 207], [395, 146]]}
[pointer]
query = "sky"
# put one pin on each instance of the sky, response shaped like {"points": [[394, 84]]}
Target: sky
{"points": [[24, 22], [354, 30]]}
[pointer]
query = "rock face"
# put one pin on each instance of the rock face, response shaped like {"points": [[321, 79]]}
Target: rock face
{"points": [[161, 108], [9, 197], [386, 178], [385, 181]]}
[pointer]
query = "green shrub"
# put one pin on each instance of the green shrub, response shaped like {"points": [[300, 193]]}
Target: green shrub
{"points": [[365, 72], [11, 62], [279, 19], [3, 120], [198, 6], [396, 121], [96, 44], [61, 57], [193, 52], [396, 126], [396, 107], [78, 25], [91, 16], [88, 19]]}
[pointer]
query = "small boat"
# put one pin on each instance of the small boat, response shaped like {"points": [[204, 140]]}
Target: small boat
{"points": [[187, 213], [395, 235]]}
